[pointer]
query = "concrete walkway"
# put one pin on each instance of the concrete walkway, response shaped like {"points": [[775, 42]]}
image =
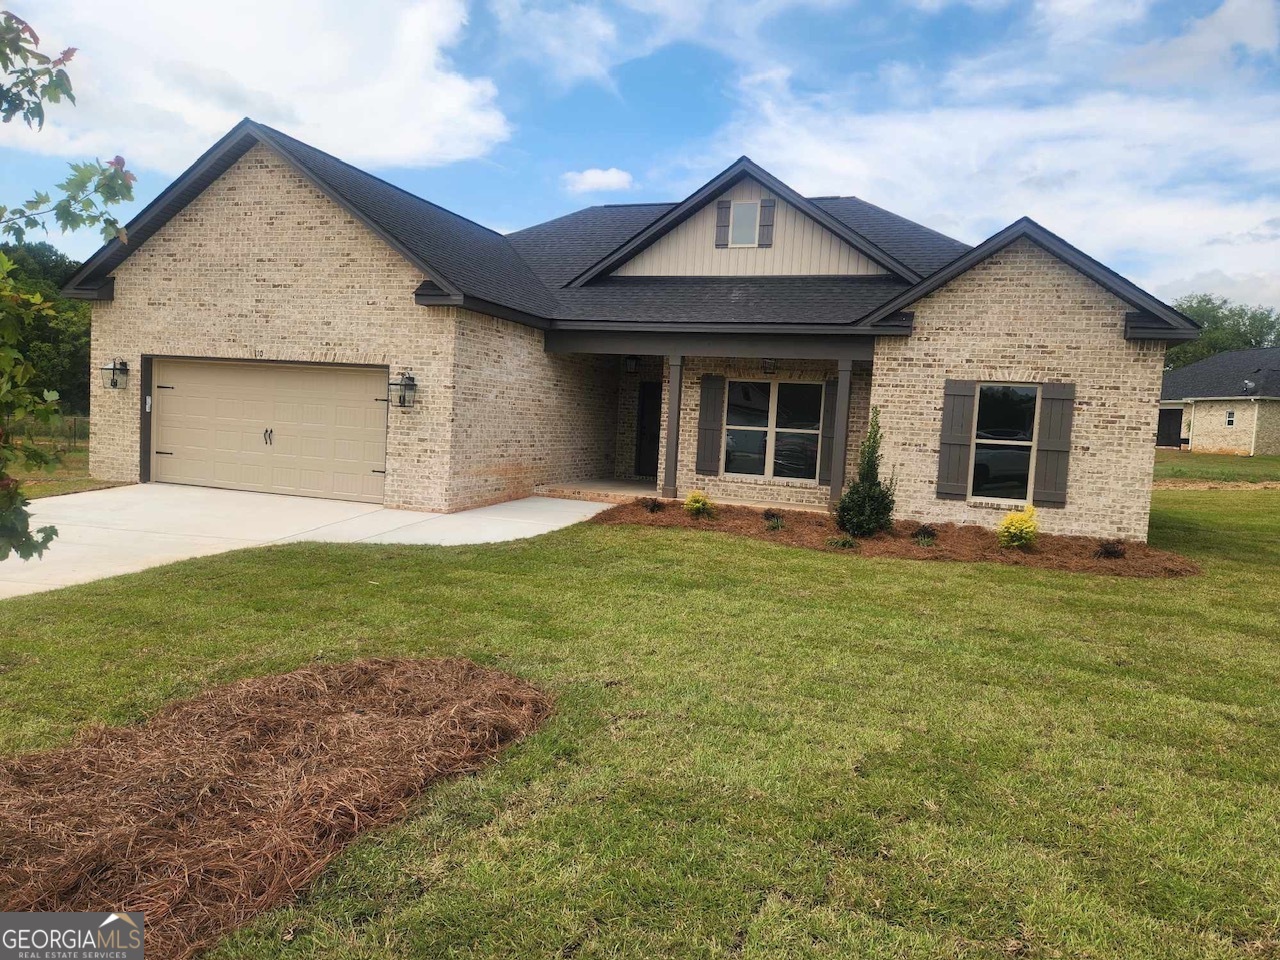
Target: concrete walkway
{"points": [[104, 533]]}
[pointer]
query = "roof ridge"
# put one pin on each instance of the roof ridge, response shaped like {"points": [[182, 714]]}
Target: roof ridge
{"points": [[350, 166]]}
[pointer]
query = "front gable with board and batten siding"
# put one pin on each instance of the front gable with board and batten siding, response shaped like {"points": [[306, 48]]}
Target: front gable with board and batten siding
{"points": [[798, 246]]}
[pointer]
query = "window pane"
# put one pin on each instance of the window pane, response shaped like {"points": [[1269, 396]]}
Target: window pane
{"points": [[744, 451], [799, 405], [1001, 471], [748, 404], [795, 455], [743, 224], [1006, 413]]}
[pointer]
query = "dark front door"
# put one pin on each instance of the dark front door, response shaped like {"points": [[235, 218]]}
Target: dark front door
{"points": [[1169, 429], [648, 425]]}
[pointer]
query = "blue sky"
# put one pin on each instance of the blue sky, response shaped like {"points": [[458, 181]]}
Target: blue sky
{"points": [[1148, 133]]}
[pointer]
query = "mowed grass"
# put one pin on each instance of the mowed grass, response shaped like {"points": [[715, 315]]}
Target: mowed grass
{"points": [[69, 475], [758, 751], [1220, 467]]}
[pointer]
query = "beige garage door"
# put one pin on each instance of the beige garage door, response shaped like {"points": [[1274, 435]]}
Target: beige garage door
{"points": [[311, 430]]}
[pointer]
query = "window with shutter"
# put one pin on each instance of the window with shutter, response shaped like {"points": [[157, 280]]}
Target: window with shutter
{"points": [[1053, 444], [722, 223]]}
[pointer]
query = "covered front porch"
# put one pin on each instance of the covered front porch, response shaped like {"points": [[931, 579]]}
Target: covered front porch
{"points": [[760, 419]]}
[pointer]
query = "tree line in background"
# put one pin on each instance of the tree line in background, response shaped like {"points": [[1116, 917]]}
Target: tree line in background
{"points": [[1224, 326]]}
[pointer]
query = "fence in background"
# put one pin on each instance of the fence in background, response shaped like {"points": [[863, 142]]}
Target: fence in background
{"points": [[65, 433]]}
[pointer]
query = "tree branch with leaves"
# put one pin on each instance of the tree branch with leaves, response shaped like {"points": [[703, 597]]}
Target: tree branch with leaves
{"points": [[32, 80]]}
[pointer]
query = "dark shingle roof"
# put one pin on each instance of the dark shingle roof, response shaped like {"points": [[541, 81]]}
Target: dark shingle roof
{"points": [[920, 248], [1224, 374], [797, 300], [479, 261], [560, 249]]}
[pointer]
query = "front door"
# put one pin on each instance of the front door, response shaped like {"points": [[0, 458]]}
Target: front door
{"points": [[1169, 428], [648, 427]]}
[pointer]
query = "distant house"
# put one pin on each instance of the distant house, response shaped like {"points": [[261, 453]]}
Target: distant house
{"points": [[1227, 403], [274, 299]]}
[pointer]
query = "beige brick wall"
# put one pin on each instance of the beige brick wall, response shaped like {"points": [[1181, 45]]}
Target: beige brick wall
{"points": [[1210, 433], [1267, 443], [523, 416], [1024, 316], [263, 266], [799, 492]]}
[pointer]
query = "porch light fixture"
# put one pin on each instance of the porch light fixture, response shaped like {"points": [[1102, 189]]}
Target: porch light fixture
{"points": [[769, 366], [404, 390], [630, 364], [116, 376]]}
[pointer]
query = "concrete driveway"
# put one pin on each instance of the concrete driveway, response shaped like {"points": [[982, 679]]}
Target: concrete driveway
{"points": [[103, 533]]}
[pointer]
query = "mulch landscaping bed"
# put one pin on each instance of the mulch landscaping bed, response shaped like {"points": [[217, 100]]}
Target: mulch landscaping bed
{"points": [[224, 805], [802, 528]]}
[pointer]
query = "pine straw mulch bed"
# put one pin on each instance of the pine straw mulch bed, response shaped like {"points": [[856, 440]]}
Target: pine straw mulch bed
{"points": [[804, 528], [225, 805]]}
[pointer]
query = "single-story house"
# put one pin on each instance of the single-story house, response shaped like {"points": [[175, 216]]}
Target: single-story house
{"points": [[1226, 403], [281, 321]]}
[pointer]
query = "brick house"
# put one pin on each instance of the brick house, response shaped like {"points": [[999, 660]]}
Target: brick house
{"points": [[1226, 403], [292, 324]]}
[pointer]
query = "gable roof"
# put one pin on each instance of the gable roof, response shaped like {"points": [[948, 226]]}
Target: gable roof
{"points": [[460, 256], [549, 275], [1151, 319], [741, 169], [1224, 375]]}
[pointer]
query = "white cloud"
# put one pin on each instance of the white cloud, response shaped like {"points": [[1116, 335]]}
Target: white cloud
{"points": [[1206, 50], [596, 180], [160, 85], [574, 41]]}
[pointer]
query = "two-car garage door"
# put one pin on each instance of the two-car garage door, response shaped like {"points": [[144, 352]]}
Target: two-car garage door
{"points": [[308, 429]]}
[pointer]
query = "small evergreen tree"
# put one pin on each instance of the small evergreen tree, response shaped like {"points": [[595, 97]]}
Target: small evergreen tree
{"points": [[866, 507]]}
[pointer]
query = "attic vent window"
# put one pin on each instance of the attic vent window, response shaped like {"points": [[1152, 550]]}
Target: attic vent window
{"points": [[744, 224]]}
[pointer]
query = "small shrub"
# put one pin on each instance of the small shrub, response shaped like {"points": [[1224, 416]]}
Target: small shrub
{"points": [[1019, 528], [652, 504], [698, 504], [925, 536], [1110, 550], [843, 542], [773, 519], [866, 507]]}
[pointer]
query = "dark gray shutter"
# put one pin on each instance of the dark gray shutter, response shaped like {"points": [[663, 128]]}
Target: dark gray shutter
{"points": [[765, 236], [828, 430], [1053, 444], [722, 223], [710, 425], [959, 398]]}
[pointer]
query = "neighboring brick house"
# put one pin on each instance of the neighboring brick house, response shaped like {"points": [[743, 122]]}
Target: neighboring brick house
{"points": [[1226, 403], [283, 322]]}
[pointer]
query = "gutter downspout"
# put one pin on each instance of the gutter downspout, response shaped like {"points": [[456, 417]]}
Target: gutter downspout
{"points": [[1253, 443]]}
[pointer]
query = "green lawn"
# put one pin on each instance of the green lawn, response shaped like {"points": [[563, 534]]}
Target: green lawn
{"points": [[70, 475], [1221, 467], [759, 751]]}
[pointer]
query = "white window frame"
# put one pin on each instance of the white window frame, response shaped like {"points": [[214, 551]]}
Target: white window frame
{"points": [[1033, 443], [1231, 418], [733, 215], [770, 431]]}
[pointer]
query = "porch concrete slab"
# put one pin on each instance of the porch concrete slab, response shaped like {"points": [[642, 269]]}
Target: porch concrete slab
{"points": [[105, 533]]}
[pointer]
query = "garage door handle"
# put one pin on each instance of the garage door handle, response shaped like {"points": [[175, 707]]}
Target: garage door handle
{"points": [[264, 437], [271, 436]]}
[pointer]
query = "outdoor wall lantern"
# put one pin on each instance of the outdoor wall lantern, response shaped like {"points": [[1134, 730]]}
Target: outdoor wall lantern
{"points": [[116, 376], [631, 364], [404, 390], [770, 366]]}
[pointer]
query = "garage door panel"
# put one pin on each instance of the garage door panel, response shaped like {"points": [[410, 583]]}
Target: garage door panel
{"points": [[327, 430]]}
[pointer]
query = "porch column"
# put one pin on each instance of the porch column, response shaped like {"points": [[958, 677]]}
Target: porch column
{"points": [[840, 439], [676, 364]]}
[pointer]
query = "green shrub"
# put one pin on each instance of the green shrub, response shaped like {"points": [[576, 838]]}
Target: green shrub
{"points": [[773, 519], [1110, 550], [866, 507], [1019, 528], [698, 504], [925, 536], [843, 542]]}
